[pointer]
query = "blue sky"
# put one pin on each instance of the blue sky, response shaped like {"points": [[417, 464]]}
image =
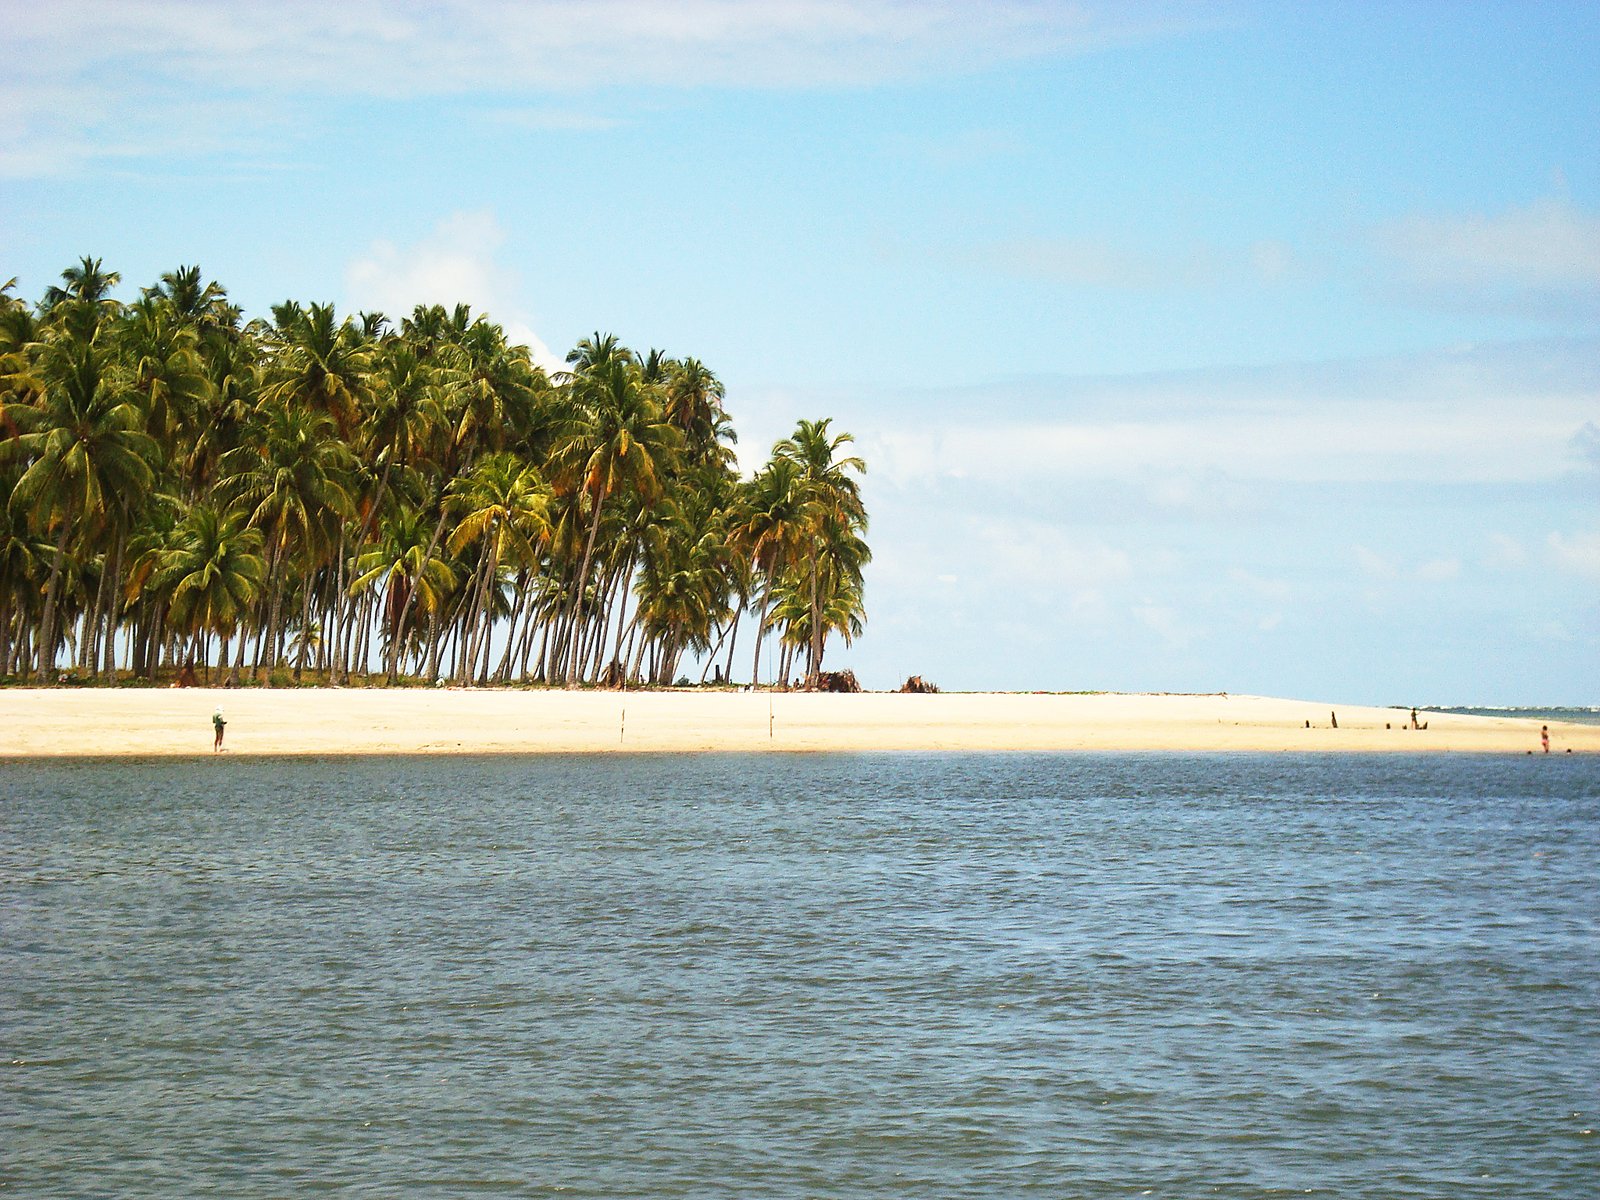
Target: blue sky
{"points": [[1246, 347]]}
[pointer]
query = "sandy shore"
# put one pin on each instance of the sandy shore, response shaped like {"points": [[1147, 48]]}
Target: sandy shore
{"points": [[67, 722]]}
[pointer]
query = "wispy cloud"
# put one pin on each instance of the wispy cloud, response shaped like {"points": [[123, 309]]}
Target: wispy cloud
{"points": [[553, 120], [144, 60], [457, 262], [1091, 262], [1587, 443], [1107, 264], [1544, 256], [1195, 440], [1576, 552], [967, 148]]}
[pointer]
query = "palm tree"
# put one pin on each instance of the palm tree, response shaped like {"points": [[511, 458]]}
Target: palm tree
{"points": [[499, 388], [291, 476], [170, 465], [835, 500], [319, 363], [213, 573], [87, 452], [771, 525], [403, 564], [504, 509], [20, 574], [228, 401], [694, 405], [161, 354], [620, 440], [86, 284], [684, 583], [188, 295]]}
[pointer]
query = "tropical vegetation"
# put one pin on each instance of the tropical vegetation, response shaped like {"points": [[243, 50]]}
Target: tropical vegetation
{"points": [[360, 499]]}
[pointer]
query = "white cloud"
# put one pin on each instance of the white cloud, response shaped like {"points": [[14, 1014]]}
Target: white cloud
{"points": [[553, 120], [1033, 553], [1587, 443], [1545, 251], [1438, 570], [1505, 553], [1380, 566], [455, 263], [1578, 552], [1285, 446], [1109, 265], [1094, 263], [143, 61], [1201, 443], [967, 148], [458, 45], [1370, 562], [1167, 623], [1275, 590], [1272, 260]]}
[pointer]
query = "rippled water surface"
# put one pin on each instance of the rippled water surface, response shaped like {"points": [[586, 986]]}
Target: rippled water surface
{"points": [[918, 976]]}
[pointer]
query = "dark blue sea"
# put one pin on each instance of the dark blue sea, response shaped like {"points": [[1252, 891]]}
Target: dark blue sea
{"points": [[812, 976]]}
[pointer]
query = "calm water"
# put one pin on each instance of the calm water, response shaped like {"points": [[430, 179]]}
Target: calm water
{"points": [[911, 976], [1581, 715]]}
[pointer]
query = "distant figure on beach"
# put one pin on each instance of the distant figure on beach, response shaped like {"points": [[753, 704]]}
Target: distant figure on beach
{"points": [[1544, 737], [1414, 718], [218, 724]]}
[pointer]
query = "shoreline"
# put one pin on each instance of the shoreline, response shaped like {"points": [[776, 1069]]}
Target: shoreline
{"points": [[60, 723]]}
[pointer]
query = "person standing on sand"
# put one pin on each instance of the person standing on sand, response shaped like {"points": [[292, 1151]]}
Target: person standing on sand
{"points": [[217, 723], [1544, 737]]}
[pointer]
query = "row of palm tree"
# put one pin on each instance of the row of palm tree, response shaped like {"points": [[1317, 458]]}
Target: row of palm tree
{"points": [[184, 489]]}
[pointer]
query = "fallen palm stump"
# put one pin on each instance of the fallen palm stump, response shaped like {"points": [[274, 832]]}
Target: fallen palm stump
{"points": [[833, 681]]}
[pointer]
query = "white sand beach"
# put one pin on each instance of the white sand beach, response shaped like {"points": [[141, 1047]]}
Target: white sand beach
{"points": [[137, 722]]}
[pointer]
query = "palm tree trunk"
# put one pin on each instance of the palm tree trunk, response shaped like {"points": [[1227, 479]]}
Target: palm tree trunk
{"points": [[114, 609], [47, 624], [542, 674], [363, 618], [727, 667], [341, 608], [472, 637], [761, 622], [411, 596], [89, 648], [711, 655], [622, 606], [435, 622], [269, 657], [503, 671], [583, 576], [305, 628], [816, 619], [158, 622], [141, 633]]}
